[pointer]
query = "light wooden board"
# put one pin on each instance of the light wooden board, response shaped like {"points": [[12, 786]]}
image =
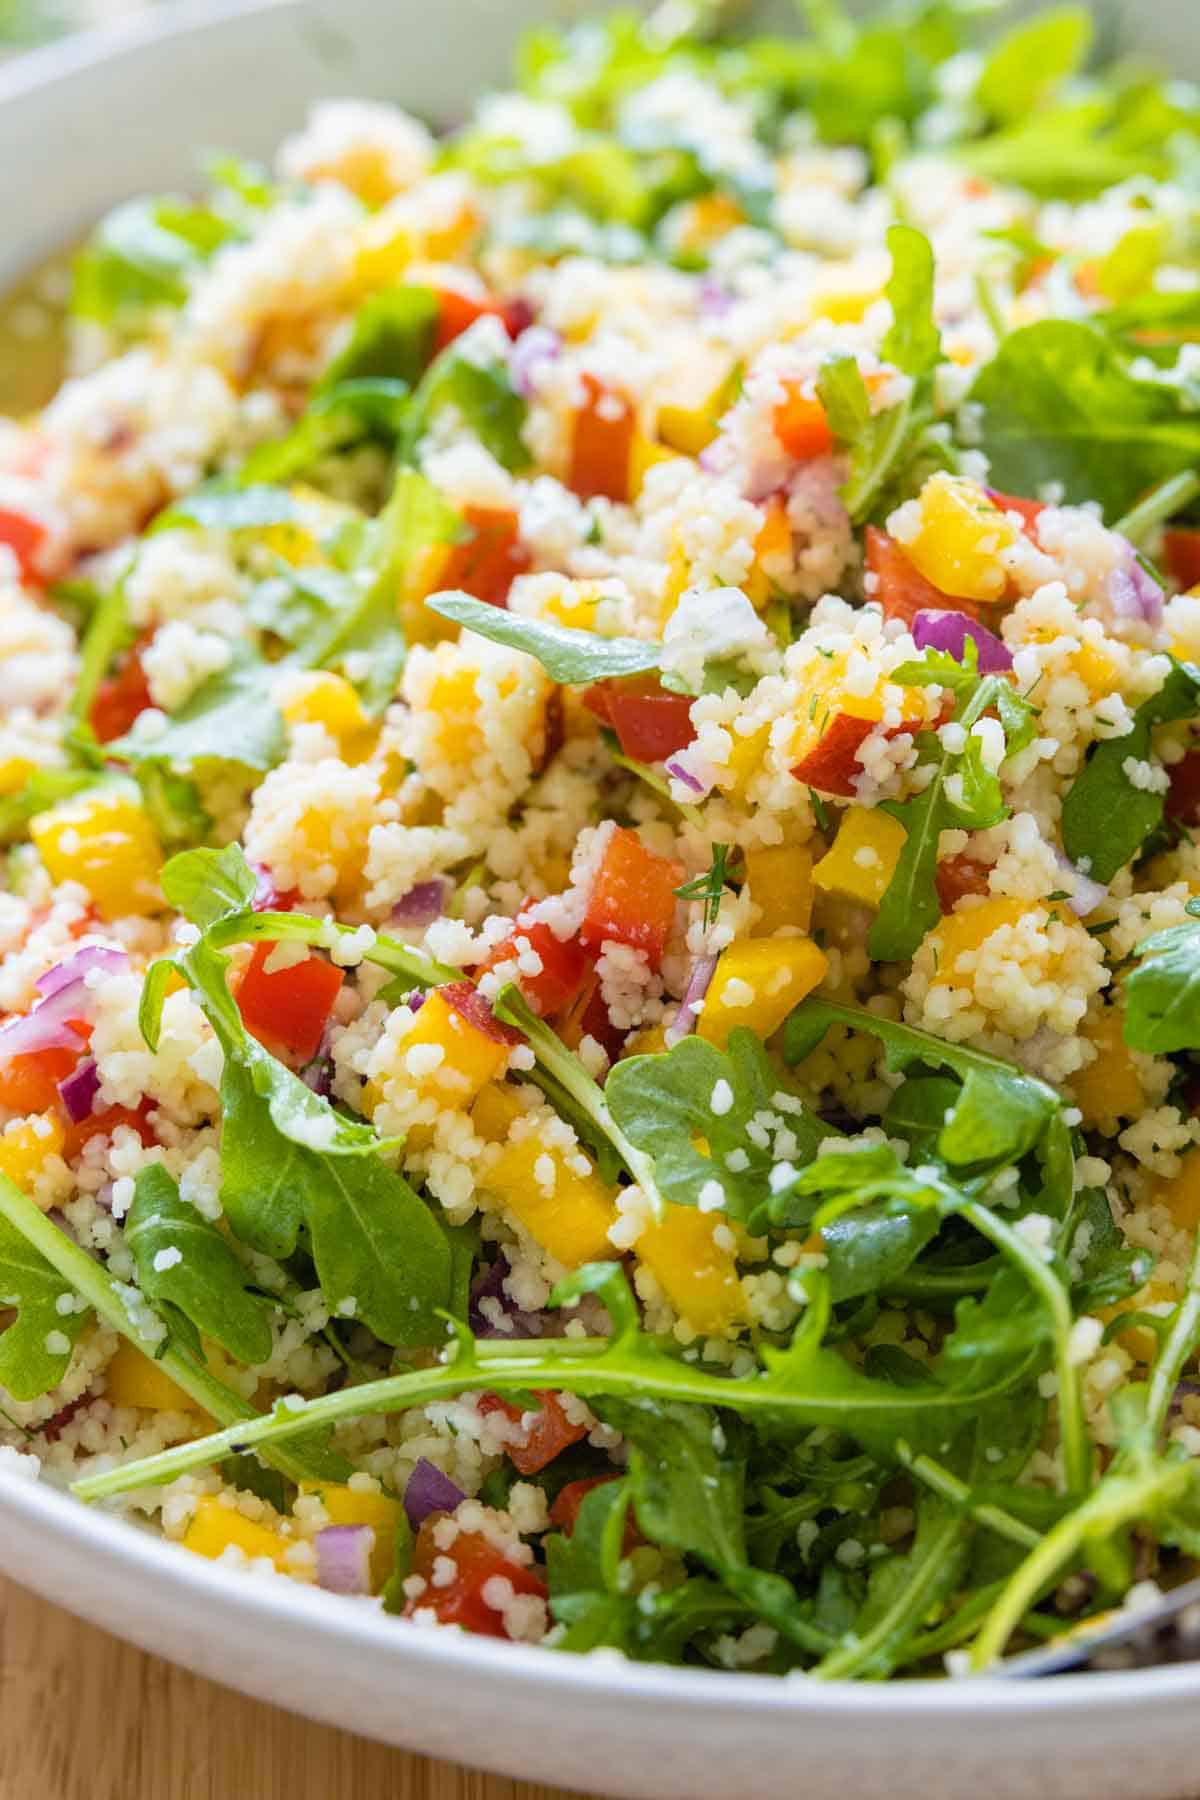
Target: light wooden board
{"points": [[84, 1717]]}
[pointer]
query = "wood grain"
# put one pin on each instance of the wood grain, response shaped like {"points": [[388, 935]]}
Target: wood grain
{"points": [[84, 1717]]}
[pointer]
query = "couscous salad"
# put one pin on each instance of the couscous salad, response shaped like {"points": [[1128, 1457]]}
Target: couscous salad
{"points": [[599, 759]]}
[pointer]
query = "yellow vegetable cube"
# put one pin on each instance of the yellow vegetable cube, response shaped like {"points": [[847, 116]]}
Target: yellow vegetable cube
{"points": [[644, 454], [650, 1041], [781, 886], [569, 1215], [757, 983], [966, 931], [470, 1057], [496, 1111], [1141, 1341], [747, 756], [1109, 1089], [319, 697], [697, 1273], [688, 419], [349, 1506], [215, 1527], [14, 773], [26, 1144], [132, 1379], [1181, 1193], [104, 841], [960, 539], [863, 859]]}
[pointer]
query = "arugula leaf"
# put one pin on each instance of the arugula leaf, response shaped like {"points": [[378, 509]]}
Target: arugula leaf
{"points": [[665, 1102], [207, 885], [1105, 1268], [219, 506], [108, 632], [1162, 995], [1031, 60], [391, 339], [1105, 818], [584, 1574], [230, 719], [484, 398], [35, 1349], [1060, 403], [568, 656], [185, 1265], [891, 452], [964, 794], [43, 789], [143, 256], [336, 417], [903, 1591]]}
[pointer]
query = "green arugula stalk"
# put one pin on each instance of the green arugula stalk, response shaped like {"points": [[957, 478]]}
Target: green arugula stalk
{"points": [[101, 1292], [1159, 505]]}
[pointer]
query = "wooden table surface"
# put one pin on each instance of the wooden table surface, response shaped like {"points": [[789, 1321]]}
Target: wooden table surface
{"points": [[84, 1717]]}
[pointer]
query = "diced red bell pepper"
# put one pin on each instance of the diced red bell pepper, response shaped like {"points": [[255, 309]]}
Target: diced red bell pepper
{"points": [[899, 586], [457, 312], [1181, 553], [489, 559], [120, 698], [1030, 510], [832, 764], [29, 1082], [471, 1005], [106, 1122], [24, 537], [461, 1601], [287, 1009], [959, 875], [1183, 794], [545, 1433], [564, 1514], [802, 425], [518, 315], [651, 724], [589, 1017], [565, 966], [633, 897], [601, 439], [269, 898]]}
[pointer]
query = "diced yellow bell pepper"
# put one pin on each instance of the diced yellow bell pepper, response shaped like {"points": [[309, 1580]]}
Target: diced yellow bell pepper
{"points": [[843, 294], [780, 879], [104, 841], [1110, 1088], [214, 1528], [864, 856], [1180, 1194], [1096, 669], [14, 773], [688, 421], [470, 1057], [697, 1275], [757, 983], [704, 221], [747, 756], [678, 575], [968, 930], [1140, 1340], [774, 540], [495, 1112], [651, 1041], [319, 697], [132, 1379], [349, 1506], [960, 539], [26, 1144], [571, 1219], [644, 455]]}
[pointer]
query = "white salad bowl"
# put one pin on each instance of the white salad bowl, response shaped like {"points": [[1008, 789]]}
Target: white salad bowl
{"points": [[87, 123]]}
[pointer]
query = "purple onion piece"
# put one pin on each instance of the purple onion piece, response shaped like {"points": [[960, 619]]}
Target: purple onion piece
{"points": [[676, 770], [703, 970], [713, 298], [317, 1075], [1134, 594], [934, 629], [344, 1558], [429, 1490], [1085, 894], [489, 1286], [78, 1091], [422, 904], [530, 356], [48, 1026], [76, 967]]}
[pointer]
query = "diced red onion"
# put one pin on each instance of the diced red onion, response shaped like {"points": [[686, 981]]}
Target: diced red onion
{"points": [[678, 771], [531, 356], [422, 904], [79, 965], [429, 1490], [344, 1558], [47, 1026], [78, 1091], [714, 298], [1134, 593], [934, 629], [1085, 894], [489, 1286], [703, 970], [318, 1075]]}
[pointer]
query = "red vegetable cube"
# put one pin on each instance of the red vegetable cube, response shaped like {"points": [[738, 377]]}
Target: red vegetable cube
{"points": [[545, 1433], [651, 724], [461, 1600], [633, 897], [287, 1009], [489, 559]]}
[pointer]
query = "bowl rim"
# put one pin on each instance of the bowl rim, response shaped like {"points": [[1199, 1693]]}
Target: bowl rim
{"points": [[181, 1578]]}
